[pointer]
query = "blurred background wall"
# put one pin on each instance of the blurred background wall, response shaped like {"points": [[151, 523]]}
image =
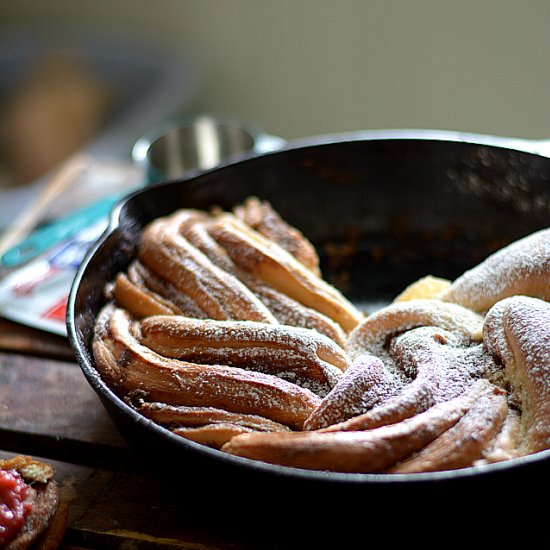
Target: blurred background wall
{"points": [[305, 67]]}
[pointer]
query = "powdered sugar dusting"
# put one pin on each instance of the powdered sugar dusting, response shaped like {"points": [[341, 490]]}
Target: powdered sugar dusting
{"points": [[517, 330], [522, 267], [303, 355], [428, 365], [371, 335], [364, 385], [443, 360]]}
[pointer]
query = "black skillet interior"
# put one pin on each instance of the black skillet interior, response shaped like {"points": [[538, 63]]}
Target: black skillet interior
{"points": [[382, 213]]}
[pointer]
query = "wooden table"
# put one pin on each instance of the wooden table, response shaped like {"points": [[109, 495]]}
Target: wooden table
{"points": [[48, 410]]}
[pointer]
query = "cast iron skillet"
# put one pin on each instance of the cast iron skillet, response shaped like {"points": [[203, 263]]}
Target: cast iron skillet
{"points": [[383, 210]]}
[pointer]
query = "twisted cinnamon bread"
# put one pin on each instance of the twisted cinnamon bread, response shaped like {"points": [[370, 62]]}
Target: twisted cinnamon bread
{"points": [[223, 331]]}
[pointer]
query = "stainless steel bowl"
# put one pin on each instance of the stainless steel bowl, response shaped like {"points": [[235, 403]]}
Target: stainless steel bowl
{"points": [[184, 146]]}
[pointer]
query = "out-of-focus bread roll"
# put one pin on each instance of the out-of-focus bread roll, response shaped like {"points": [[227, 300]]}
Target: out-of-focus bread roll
{"points": [[53, 113]]}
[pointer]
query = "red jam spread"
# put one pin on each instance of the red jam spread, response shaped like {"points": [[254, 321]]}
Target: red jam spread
{"points": [[13, 506]]}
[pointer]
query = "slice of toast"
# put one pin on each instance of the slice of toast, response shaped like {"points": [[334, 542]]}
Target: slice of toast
{"points": [[46, 521]]}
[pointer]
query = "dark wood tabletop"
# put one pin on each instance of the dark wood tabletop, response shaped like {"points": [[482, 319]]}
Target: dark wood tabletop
{"points": [[49, 411]]}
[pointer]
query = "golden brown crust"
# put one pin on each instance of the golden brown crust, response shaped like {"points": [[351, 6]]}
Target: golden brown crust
{"points": [[261, 216], [132, 368], [279, 269], [464, 443], [212, 435], [174, 416], [207, 425], [358, 451], [194, 226], [302, 355], [166, 292], [138, 300], [219, 294], [425, 288]]}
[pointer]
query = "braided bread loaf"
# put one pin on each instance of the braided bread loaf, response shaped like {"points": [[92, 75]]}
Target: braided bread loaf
{"points": [[223, 331]]}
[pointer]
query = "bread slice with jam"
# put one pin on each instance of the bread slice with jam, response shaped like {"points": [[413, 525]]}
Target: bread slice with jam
{"points": [[33, 514]]}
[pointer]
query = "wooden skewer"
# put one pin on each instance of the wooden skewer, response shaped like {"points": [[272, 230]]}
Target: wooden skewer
{"points": [[28, 219]]}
